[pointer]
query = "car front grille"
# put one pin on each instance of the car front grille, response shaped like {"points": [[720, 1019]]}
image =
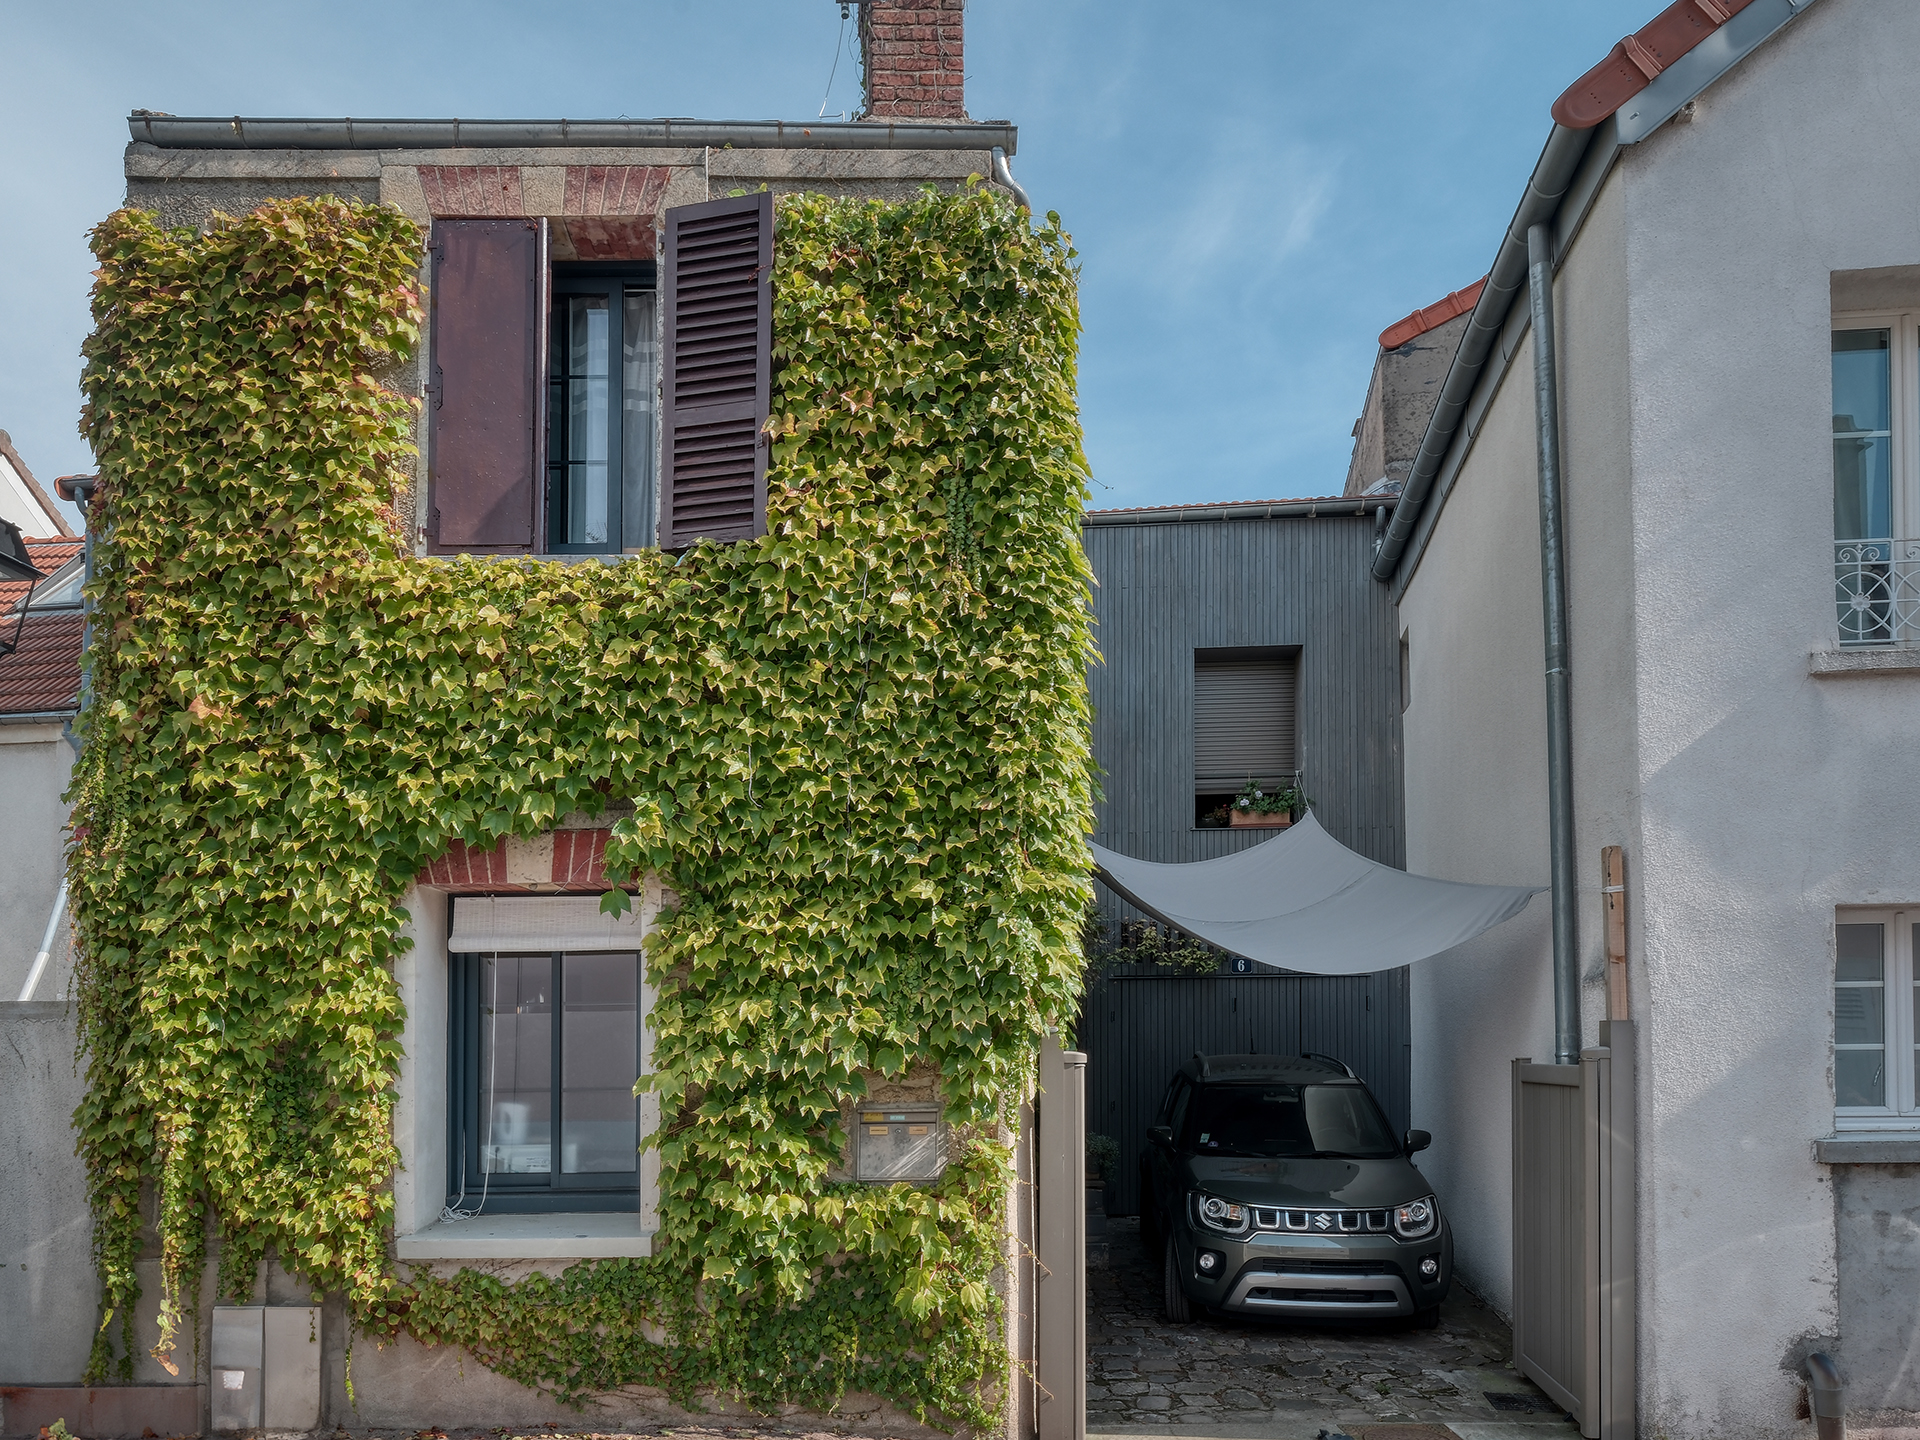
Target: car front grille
{"points": [[1271, 1293], [1324, 1267], [1321, 1222]]}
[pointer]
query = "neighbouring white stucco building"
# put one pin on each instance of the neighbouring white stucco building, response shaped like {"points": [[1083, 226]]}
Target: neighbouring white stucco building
{"points": [[1737, 295]]}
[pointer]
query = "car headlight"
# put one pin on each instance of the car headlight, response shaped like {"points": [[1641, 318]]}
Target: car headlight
{"points": [[1226, 1216], [1415, 1218]]}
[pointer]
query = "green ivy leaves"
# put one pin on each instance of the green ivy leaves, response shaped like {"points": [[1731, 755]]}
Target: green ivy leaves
{"points": [[857, 748]]}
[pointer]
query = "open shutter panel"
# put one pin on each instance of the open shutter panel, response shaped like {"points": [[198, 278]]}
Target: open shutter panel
{"points": [[1242, 723], [484, 398], [716, 365]]}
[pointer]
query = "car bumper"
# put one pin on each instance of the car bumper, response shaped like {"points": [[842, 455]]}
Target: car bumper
{"points": [[1318, 1277]]}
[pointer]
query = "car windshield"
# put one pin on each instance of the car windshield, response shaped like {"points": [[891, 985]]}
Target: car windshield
{"points": [[1289, 1121]]}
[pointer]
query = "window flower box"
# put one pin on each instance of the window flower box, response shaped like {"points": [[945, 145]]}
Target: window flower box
{"points": [[1254, 808]]}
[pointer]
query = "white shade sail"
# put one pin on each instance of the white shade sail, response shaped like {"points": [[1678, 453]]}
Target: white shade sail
{"points": [[1303, 901]]}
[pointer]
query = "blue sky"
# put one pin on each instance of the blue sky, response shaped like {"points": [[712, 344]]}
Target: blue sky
{"points": [[1256, 189]]}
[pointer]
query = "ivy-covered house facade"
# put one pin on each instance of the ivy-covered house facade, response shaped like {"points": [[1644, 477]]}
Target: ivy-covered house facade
{"points": [[579, 830]]}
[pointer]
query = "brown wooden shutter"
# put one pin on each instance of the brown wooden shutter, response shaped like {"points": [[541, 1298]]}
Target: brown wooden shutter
{"points": [[1242, 723], [486, 391], [716, 281]]}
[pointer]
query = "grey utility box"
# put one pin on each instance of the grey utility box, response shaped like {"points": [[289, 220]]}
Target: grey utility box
{"points": [[901, 1142], [266, 1367]]}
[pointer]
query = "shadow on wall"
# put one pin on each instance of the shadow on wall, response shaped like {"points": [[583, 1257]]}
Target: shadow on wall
{"points": [[1474, 1010]]}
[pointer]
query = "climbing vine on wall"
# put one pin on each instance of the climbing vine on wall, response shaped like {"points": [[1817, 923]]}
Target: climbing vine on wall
{"points": [[856, 747]]}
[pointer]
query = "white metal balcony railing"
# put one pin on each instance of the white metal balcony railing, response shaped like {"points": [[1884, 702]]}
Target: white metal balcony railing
{"points": [[1876, 589]]}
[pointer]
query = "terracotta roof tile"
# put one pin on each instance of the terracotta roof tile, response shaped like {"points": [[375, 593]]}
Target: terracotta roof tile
{"points": [[1431, 317], [44, 673], [47, 556], [1632, 64]]}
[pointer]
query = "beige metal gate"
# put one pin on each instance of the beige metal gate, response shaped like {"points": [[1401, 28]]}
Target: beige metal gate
{"points": [[1573, 1232], [1047, 1256]]}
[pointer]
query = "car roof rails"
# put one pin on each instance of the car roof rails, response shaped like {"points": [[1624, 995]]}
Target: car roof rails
{"points": [[1341, 1065], [1206, 1070]]}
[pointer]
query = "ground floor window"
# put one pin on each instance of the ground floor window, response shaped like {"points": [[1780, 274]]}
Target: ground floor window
{"points": [[544, 1051], [1876, 1019]]}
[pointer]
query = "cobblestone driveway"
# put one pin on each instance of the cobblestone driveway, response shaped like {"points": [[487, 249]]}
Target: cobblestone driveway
{"points": [[1279, 1380]]}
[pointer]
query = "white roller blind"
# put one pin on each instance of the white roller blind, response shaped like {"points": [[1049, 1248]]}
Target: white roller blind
{"points": [[484, 925], [1242, 723]]}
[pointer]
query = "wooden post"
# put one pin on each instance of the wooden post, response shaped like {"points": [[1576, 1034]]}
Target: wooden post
{"points": [[1613, 896]]}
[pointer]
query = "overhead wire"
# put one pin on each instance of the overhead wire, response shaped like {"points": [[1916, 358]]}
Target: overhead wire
{"points": [[839, 46]]}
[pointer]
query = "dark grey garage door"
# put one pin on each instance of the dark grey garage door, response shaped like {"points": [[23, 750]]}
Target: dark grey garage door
{"points": [[1137, 1029]]}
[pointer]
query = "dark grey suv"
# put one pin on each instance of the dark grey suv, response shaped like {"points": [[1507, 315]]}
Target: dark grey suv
{"points": [[1275, 1186]]}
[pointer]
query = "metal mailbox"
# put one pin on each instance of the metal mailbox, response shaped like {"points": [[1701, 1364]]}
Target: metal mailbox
{"points": [[236, 1367], [266, 1367], [900, 1143]]}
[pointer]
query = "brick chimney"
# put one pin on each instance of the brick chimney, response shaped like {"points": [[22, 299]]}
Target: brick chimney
{"points": [[914, 59]]}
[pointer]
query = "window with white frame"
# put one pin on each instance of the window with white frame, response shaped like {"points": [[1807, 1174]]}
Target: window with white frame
{"points": [[1876, 1005], [1876, 477]]}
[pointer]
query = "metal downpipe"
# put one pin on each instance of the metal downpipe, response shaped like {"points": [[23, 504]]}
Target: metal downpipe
{"points": [[1553, 596], [1003, 173]]}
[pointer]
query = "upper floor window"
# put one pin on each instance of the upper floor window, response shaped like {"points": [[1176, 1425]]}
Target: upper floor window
{"points": [[1876, 1020], [602, 392], [1876, 478], [549, 397], [1243, 726]]}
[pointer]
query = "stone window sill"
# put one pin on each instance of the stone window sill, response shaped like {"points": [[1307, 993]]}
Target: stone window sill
{"points": [[1868, 1147], [528, 1237], [1846, 664]]}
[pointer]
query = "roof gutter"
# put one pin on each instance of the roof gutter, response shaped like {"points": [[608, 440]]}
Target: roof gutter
{"points": [[239, 132], [1250, 510], [1637, 116]]}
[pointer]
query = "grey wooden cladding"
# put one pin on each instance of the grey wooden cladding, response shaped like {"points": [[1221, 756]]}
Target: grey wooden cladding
{"points": [[716, 369], [1296, 584], [487, 385], [1170, 596], [1242, 723]]}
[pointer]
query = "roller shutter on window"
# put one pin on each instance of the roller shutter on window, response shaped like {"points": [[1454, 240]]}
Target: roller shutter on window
{"points": [[484, 392], [1242, 723], [717, 341]]}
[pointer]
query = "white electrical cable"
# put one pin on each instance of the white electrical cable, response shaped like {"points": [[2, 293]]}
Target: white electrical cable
{"points": [[452, 1212], [46, 942]]}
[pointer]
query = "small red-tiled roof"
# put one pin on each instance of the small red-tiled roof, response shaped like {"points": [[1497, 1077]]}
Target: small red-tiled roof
{"points": [[43, 675], [1457, 302], [46, 556]]}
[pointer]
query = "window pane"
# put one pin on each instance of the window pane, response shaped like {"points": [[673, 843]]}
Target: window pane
{"points": [[589, 361], [599, 1061], [639, 348], [1859, 1078], [1859, 1015], [1862, 454], [1858, 1018], [516, 1065], [1861, 948]]}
